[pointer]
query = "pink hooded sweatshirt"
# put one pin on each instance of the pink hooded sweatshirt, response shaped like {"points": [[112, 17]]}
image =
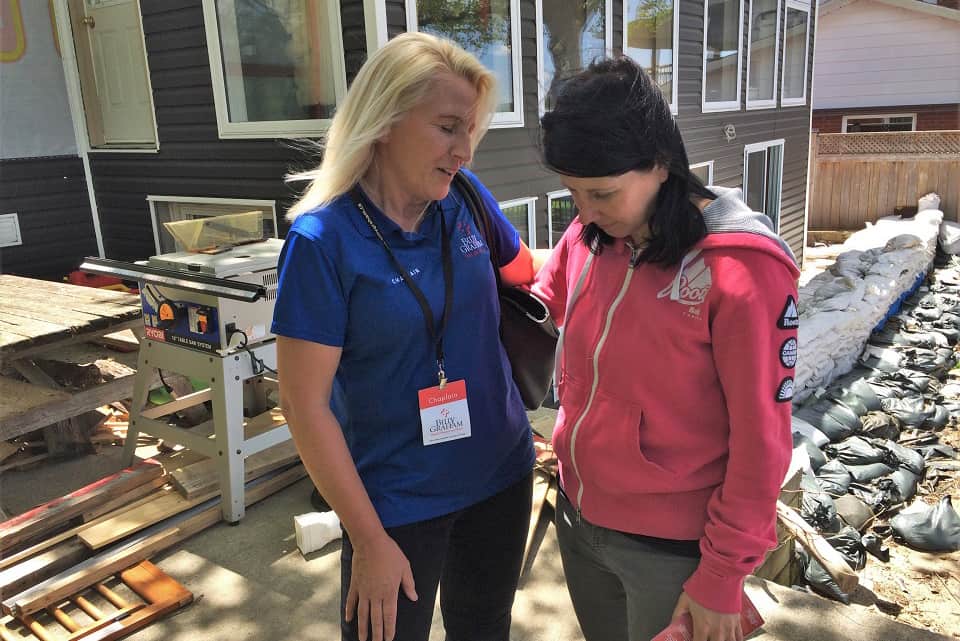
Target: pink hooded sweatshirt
{"points": [[675, 387]]}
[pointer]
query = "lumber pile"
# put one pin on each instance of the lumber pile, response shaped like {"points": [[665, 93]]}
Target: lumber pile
{"points": [[76, 543]]}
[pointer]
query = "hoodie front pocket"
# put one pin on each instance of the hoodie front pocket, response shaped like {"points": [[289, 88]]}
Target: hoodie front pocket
{"points": [[607, 449]]}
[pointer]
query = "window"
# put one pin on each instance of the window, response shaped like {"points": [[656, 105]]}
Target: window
{"points": [[522, 215], [489, 29], [560, 213], [168, 209], [722, 42], [650, 37], [570, 35], [796, 41], [762, 51], [703, 171], [763, 178], [277, 66], [879, 122]]}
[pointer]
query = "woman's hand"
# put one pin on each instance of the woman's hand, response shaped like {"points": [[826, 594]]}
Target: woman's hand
{"points": [[379, 569], [709, 625]]}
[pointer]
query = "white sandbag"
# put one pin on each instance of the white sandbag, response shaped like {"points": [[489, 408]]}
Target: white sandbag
{"points": [[950, 237], [929, 201]]}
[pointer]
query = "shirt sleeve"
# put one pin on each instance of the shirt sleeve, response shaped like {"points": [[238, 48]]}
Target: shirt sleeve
{"points": [[550, 284], [506, 239], [311, 304], [755, 350]]}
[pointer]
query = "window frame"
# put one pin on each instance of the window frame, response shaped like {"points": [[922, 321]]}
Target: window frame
{"points": [[153, 200], [607, 42], [501, 119], [763, 146], [676, 49], [709, 165], [531, 203], [551, 196], [12, 219], [886, 117], [798, 5], [772, 102], [270, 128], [729, 105]]}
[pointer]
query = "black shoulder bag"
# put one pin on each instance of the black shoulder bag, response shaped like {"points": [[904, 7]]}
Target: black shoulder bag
{"points": [[527, 331]]}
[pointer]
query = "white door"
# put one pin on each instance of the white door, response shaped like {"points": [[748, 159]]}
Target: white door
{"points": [[120, 73]]}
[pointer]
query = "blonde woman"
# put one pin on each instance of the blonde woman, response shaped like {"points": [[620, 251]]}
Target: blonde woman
{"points": [[386, 287]]}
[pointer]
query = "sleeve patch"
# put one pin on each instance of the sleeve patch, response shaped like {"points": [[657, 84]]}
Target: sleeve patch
{"points": [[788, 353], [789, 317], [785, 390]]}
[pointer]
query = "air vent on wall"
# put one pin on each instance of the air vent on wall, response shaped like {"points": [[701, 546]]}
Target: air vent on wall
{"points": [[9, 230]]}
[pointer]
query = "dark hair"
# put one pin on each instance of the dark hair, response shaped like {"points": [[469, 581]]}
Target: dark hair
{"points": [[610, 119]]}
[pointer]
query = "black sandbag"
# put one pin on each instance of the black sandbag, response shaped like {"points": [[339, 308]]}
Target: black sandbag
{"points": [[874, 545], [835, 420], [897, 455], [909, 411], [855, 450], [877, 499], [885, 390], [930, 528], [906, 380], [869, 472], [937, 418], [881, 425], [817, 508], [927, 313], [834, 478], [817, 458], [820, 580], [847, 542], [853, 511], [902, 484], [936, 451]]}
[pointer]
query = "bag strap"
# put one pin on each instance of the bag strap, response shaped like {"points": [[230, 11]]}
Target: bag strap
{"points": [[481, 218]]}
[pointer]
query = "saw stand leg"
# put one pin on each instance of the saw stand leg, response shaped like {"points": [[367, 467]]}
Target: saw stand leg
{"points": [[226, 376]]}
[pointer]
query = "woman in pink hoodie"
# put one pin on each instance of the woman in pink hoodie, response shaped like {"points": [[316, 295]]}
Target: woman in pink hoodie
{"points": [[679, 339]]}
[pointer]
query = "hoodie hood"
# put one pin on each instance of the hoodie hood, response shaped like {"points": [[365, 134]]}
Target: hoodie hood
{"points": [[731, 223]]}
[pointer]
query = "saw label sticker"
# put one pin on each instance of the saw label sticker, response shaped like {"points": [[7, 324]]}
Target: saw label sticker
{"points": [[788, 353], [789, 317]]}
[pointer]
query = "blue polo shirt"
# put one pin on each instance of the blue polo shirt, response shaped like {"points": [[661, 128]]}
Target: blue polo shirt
{"points": [[338, 287]]}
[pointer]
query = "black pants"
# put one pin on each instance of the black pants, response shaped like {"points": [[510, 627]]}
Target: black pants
{"points": [[472, 555]]}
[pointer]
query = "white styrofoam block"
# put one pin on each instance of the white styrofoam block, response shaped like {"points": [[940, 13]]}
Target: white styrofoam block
{"points": [[316, 529]]}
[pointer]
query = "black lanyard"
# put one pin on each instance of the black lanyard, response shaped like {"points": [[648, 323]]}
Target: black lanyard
{"points": [[435, 335]]}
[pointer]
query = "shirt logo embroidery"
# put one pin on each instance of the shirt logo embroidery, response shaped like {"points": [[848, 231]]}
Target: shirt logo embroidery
{"points": [[695, 283], [470, 244], [789, 317]]}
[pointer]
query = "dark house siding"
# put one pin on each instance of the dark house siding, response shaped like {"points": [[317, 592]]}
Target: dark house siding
{"points": [[50, 198], [193, 161], [703, 132]]}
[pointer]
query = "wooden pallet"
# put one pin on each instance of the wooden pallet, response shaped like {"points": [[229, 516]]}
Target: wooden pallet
{"points": [[100, 613]]}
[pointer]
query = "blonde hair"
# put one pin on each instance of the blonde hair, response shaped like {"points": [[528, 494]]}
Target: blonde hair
{"points": [[394, 80]]}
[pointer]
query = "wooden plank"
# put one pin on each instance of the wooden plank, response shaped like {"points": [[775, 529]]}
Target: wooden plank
{"points": [[154, 586], [123, 341], [45, 342], [126, 500], [21, 420], [202, 478], [828, 556], [131, 520], [8, 449], [45, 517], [140, 548], [37, 548], [18, 397], [21, 576], [541, 485]]}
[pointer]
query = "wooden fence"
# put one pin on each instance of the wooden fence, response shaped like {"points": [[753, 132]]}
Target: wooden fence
{"points": [[858, 178]]}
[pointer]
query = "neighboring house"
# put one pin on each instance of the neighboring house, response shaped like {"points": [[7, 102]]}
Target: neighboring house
{"points": [[887, 65], [187, 108]]}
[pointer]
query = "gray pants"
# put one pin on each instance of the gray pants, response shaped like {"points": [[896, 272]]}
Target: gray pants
{"points": [[622, 588]]}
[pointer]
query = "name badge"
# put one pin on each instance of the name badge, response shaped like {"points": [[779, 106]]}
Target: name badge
{"points": [[444, 415]]}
